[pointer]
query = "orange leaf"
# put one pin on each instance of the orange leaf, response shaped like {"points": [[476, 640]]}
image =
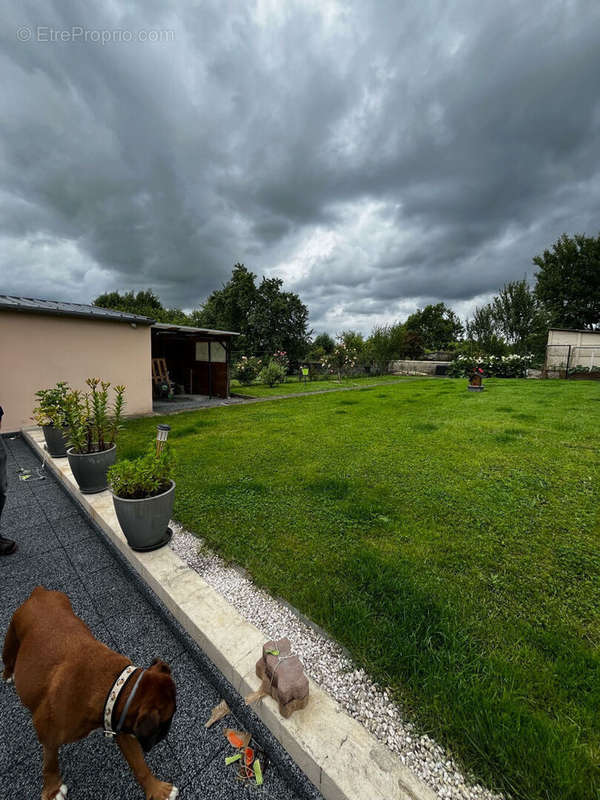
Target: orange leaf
{"points": [[237, 739]]}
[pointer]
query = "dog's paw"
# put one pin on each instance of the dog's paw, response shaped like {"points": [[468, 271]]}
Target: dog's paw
{"points": [[163, 791], [61, 794], [10, 679]]}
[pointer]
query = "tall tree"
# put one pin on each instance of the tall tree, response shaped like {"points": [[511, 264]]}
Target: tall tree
{"points": [[268, 318], [515, 313], [279, 321], [484, 333], [568, 281], [436, 325], [385, 344], [229, 307], [145, 302], [324, 342]]}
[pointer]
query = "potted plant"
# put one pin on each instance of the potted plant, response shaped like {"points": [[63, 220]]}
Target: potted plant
{"points": [[49, 414], [143, 492], [92, 425]]}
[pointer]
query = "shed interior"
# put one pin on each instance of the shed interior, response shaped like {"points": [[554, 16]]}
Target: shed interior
{"points": [[197, 360]]}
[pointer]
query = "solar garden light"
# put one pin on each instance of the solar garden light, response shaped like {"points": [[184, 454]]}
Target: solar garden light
{"points": [[162, 434]]}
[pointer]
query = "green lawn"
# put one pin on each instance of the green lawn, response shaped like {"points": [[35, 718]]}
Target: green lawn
{"points": [[448, 539], [293, 385]]}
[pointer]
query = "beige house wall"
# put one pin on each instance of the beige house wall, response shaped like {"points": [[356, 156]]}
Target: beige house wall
{"points": [[37, 350]]}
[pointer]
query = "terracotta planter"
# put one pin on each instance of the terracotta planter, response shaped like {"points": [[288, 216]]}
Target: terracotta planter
{"points": [[145, 522], [89, 469]]}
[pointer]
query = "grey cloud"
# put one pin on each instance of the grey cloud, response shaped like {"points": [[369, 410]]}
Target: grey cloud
{"points": [[472, 128]]}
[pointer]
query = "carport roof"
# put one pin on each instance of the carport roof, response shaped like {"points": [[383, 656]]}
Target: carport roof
{"points": [[166, 326], [56, 308]]}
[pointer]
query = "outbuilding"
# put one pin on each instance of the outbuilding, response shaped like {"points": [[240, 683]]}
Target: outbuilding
{"points": [[45, 341], [571, 350]]}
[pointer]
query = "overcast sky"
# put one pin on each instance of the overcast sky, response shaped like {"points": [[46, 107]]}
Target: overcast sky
{"points": [[376, 155]]}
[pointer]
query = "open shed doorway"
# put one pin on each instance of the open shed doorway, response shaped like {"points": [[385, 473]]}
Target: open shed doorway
{"points": [[197, 361]]}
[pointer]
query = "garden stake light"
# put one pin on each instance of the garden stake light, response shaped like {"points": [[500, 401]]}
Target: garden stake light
{"points": [[162, 434]]}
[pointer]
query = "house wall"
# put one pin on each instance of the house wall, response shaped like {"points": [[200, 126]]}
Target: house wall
{"points": [[37, 350]]}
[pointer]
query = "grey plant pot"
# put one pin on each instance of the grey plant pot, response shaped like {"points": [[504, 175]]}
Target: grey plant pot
{"points": [[145, 522], [89, 469], [56, 440]]}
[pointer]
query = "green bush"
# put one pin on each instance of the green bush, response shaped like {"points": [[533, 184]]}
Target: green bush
{"points": [[147, 476], [246, 369], [50, 409], [272, 374]]}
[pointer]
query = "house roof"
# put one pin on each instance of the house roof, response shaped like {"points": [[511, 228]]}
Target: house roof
{"points": [[169, 328], [37, 306]]}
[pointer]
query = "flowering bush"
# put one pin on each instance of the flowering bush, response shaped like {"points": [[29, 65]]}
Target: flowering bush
{"points": [[513, 366], [247, 369], [272, 374], [280, 357], [341, 360]]}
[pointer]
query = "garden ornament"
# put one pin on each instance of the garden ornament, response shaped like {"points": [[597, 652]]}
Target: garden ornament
{"points": [[282, 677]]}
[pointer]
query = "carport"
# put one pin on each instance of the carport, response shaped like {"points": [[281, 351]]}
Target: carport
{"points": [[197, 359]]}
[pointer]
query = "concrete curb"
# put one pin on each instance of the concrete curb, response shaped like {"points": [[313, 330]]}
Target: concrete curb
{"points": [[341, 758]]}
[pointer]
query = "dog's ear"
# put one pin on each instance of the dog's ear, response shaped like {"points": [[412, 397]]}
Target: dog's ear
{"points": [[146, 724], [160, 666]]}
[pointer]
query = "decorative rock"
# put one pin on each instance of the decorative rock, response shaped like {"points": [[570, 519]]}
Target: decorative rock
{"points": [[283, 676]]}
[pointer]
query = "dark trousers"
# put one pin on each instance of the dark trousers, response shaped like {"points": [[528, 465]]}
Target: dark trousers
{"points": [[3, 475]]}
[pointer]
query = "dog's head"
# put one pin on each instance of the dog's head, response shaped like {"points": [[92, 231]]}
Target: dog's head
{"points": [[154, 705]]}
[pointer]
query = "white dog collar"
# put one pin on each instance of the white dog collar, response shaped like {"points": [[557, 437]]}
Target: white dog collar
{"points": [[113, 696]]}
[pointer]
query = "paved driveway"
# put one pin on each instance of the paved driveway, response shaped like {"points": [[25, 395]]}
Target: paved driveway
{"points": [[61, 549]]}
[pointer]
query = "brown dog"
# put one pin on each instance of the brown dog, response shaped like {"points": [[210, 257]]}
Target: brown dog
{"points": [[63, 675]]}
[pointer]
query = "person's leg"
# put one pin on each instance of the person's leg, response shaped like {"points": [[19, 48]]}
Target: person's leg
{"points": [[7, 546]]}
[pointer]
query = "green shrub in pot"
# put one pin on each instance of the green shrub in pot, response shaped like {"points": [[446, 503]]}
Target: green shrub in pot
{"points": [[144, 477], [93, 423], [49, 414], [143, 495]]}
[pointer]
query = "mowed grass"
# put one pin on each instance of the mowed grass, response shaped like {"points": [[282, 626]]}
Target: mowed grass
{"points": [[293, 385], [448, 539]]}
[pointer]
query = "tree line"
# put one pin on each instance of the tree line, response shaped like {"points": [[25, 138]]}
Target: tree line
{"points": [[269, 319]]}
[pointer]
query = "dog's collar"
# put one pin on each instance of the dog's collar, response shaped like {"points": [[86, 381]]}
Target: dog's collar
{"points": [[113, 696]]}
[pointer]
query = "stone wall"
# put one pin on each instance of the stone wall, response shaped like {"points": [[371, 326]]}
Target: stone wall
{"points": [[418, 367]]}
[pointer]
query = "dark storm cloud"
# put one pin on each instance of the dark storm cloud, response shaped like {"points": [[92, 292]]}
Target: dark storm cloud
{"points": [[378, 156]]}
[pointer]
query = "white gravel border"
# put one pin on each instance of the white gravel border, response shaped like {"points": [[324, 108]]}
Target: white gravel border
{"points": [[332, 669]]}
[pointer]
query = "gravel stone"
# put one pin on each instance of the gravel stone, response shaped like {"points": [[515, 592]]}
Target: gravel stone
{"points": [[331, 667]]}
